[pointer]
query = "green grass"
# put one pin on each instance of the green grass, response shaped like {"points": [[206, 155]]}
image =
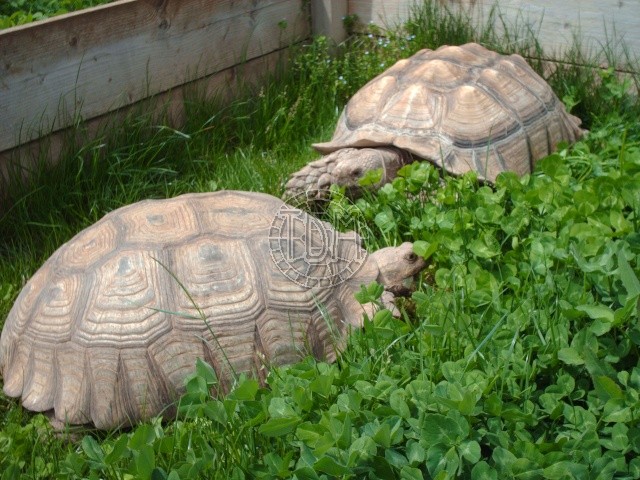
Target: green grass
{"points": [[19, 12], [516, 358]]}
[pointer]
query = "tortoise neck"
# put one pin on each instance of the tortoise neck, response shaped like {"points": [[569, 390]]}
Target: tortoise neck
{"points": [[393, 160]]}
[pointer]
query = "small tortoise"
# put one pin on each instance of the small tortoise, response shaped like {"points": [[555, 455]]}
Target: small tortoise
{"points": [[460, 107], [107, 330]]}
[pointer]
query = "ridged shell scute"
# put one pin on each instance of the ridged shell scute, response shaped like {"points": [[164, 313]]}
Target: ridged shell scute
{"points": [[462, 108], [109, 328]]}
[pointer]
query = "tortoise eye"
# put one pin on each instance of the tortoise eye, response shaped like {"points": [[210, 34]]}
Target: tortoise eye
{"points": [[411, 257]]}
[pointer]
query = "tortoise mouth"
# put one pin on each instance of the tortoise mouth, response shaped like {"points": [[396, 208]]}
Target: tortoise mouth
{"points": [[406, 288], [322, 190], [400, 290]]}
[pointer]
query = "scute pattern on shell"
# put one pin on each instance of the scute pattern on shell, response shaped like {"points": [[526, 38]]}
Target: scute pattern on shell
{"points": [[104, 332], [460, 107]]}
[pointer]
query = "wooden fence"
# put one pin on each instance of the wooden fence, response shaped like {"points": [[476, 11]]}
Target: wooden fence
{"points": [[89, 63], [596, 22], [86, 64]]}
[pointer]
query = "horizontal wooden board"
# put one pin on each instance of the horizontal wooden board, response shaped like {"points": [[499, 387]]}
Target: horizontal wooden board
{"points": [[167, 107], [596, 22], [87, 63]]}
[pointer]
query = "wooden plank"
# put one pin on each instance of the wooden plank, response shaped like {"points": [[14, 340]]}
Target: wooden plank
{"points": [[87, 63], [168, 106], [555, 23], [596, 22], [327, 19], [383, 13]]}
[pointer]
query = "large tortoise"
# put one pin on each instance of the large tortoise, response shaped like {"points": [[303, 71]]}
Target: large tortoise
{"points": [[107, 330], [460, 107]]}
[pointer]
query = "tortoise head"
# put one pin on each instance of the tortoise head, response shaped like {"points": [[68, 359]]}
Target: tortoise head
{"points": [[352, 164], [344, 167], [397, 266]]}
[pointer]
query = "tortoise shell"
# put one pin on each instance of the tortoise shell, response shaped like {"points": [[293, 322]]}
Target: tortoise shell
{"points": [[107, 330], [460, 107]]}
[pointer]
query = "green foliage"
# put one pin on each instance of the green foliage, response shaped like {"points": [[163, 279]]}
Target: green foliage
{"points": [[528, 333], [18, 12], [517, 356], [521, 360]]}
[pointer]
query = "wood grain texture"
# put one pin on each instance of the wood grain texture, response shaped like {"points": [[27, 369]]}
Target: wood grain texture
{"points": [[87, 63], [167, 107], [597, 22], [384, 13]]}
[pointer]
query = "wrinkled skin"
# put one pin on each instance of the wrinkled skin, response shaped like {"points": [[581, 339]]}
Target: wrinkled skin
{"points": [[345, 168], [395, 269], [396, 265]]}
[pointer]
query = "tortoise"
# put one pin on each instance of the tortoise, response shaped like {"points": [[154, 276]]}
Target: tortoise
{"points": [[107, 330], [462, 108]]}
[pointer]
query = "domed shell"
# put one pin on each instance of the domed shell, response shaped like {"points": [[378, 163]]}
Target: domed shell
{"points": [[460, 107], [110, 326]]}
